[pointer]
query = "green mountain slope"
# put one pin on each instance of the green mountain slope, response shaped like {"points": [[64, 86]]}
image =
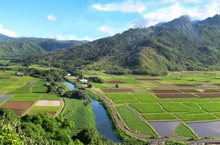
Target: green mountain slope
{"points": [[10, 47], [176, 45]]}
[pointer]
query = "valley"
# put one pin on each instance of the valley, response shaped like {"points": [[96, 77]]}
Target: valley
{"points": [[157, 84]]}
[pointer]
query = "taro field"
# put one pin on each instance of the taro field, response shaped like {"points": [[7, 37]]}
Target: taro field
{"points": [[179, 97], [27, 95]]}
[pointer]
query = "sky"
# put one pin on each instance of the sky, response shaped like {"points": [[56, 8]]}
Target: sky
{"points": [[94, 19]]}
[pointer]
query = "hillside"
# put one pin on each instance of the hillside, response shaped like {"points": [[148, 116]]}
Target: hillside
{"points": [[10, 47], [173, 46]]}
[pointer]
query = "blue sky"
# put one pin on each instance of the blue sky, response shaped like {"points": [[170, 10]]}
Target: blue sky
{"points": [[93, 19]]}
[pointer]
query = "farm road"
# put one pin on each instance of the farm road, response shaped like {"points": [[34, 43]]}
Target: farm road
{"points": [[117, 118]]}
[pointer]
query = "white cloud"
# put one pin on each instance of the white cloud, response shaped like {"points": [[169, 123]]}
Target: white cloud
{"points": [[175, 10], [180, 1], [7, 32], [125, 7], [51, 18], [69, 37], [106, 29]]}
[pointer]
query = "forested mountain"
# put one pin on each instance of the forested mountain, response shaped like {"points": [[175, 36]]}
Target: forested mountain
{"points": [[10, 46], [176, 45]]}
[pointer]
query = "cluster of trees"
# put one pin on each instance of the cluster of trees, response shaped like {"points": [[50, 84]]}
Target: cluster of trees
{"points": [[34, 129], [78, 94], [96, 80], [52, 75]]}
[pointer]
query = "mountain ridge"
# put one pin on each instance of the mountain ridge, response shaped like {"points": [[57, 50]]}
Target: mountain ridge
{"points": [[172, 46], [11, 46]]}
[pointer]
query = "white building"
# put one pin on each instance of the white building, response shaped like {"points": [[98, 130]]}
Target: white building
{"points": [[83, 81]]}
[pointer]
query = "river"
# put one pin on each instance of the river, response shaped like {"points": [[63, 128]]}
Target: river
{"points": [[103, 123]]}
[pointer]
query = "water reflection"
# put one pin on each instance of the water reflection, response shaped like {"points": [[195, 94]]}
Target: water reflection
{"points": [[206, 129], [103, 124], [70, 85], [165, 128]]}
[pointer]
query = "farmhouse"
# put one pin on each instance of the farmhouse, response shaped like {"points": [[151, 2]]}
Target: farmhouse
{"points": [[83, 81], [19, 74], [68, 74]]}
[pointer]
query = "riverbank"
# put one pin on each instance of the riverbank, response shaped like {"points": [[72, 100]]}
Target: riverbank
{"points": [[76, 111]]}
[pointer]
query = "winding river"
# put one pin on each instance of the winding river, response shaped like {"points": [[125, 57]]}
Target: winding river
{"points": [[103, 123]]}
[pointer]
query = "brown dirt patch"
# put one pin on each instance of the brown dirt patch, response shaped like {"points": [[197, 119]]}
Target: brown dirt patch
{"points": [[16, 105], [165, 86], [189, 91], [115, 82], [19, 112], [209, 95], [165, 91], [183, 85], [148, 79], [175, 95], [52, 113], [217, 84], [117, 90], [209, 91]]}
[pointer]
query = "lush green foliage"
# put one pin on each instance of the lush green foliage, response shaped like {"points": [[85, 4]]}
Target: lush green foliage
{"points": [[32, 46], [35, 129]]}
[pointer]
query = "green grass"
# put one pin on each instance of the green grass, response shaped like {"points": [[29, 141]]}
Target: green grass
{"points": [[101, 86], [190, 100], [122, 98], [134, 122], [83, 116], [215, 99], [50, 97], [28, 95], [130, 81], [194, 108], [149, 98], [217, 114], [29, 99], [184, 131], [211, 107], [39, 89], [196, 117], [40, 83], [175, 107], [159, 116], [148, 108], [21, 90], [45, 108]]}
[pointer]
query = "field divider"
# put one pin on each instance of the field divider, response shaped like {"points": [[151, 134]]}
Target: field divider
{"points": [[214, 115], [142, 118], [135, 112], [205, 111], [161, 106]]}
